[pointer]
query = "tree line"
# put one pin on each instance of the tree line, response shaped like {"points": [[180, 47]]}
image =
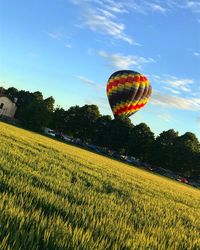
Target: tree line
{"points": [[180, 153]]}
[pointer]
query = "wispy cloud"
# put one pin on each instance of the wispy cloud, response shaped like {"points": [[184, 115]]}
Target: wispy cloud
{"points": [[173, 91], [55, 35], [67, 45], [193, 5], [174, 84], [102, 16], [86, 80], [106, 16], [106, 13], [197, 54], [169, 101], [121, 61], [60, 37], [165, 117], [101, 23], [146, 6], [179, 84], [157, 8], [114, 6], [160, 6], [90, 82]]}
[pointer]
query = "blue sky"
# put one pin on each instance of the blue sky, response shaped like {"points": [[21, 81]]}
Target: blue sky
{"points": [[69, 48]]}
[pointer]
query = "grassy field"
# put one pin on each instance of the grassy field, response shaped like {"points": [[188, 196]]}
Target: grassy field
{"points": [[56, 196]]}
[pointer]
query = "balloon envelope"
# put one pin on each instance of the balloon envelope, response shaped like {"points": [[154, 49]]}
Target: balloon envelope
{"points": [[128, 91]]}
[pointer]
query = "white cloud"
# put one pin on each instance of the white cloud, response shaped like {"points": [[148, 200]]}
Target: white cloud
{"points": [[173, 91], [86, 80], [170, 101], [175, 85], [190, 5], [180, 84], [157, 78], [165, 117], [115, 6], [102, 16], [157, 7], [142, 6], [105, 16], [89, 82], [147, 6], [121, 61], [193, 5], [106, 13], [60, 37], [161, 6], [67, 45], [55, 35], [134, 6], [101, 23], [196, 54]]}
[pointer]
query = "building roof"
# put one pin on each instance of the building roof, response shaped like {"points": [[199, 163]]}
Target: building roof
{"points": [[3, 95]]}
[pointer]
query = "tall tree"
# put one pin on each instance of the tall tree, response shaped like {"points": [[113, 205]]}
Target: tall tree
{"points": [[118, 134], [38, 95], [49, 108], [80, 121], [33, 112], [187, 149], [140, 142], [2, 90], [12, 93], [101, 130], [163, 153], [58, 120], [49, 103]]}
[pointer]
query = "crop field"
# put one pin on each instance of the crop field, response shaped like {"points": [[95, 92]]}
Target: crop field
{"points": [[57, 196]]}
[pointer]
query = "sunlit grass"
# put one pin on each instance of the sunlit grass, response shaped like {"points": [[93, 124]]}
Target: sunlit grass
{"points": [[56, 196]]}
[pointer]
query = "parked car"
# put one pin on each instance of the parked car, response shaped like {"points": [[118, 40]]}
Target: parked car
{"points": [[183, 179], [49, 131], [116, 155], [133, 161]]}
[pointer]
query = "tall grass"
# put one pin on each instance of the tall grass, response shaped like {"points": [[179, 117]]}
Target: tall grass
{"points": [[56, 196]]}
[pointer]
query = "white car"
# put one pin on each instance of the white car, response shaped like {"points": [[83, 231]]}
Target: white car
{"points": [[65, 138], [49, 131]]}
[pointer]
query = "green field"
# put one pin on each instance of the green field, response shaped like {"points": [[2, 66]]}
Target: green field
{"points": [[57, 196]]}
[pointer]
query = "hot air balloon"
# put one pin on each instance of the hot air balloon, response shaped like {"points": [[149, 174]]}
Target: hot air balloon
{"points": [[128, 91]]}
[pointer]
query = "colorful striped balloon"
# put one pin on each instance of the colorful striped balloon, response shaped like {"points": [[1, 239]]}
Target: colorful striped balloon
{"points": [[127, 91]]}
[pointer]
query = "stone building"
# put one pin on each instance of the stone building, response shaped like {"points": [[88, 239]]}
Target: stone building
{"points": [[7, 107]]}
